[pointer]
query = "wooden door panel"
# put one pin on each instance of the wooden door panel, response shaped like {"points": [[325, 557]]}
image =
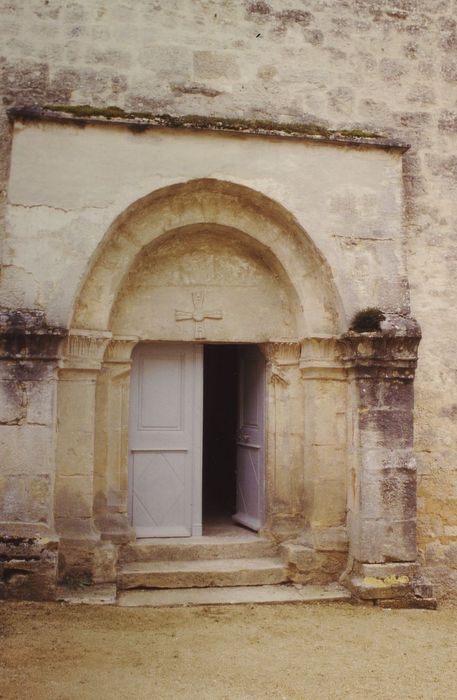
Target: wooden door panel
{"points": [[165, 439], [250, 439]]}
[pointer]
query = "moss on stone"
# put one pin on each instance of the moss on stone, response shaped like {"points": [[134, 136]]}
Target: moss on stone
{"points": [[367, 321], [203, 122]]}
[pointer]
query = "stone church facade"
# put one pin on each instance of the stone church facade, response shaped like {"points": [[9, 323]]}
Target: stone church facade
{"points": [[229, 185]]}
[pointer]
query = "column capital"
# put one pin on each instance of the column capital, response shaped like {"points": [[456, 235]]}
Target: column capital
{"points": [[392, 354], [119, 349], [322, 357], [280, 355], [84, 349]]}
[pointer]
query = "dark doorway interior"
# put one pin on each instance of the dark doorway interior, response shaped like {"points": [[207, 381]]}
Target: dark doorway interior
{"points": [[220, 399]]}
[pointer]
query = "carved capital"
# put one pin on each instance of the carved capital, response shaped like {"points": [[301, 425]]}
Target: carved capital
{"points": [[322, 356], [84, 349], [279, 355], [391, 354], [119, 349]]}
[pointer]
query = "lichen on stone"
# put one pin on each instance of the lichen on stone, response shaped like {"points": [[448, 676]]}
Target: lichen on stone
{"points": [[216, 123]]}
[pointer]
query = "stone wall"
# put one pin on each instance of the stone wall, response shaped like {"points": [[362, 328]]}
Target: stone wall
{"points": [[381, 66]]}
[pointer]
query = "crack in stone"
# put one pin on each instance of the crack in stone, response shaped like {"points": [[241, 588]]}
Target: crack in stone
{"points": [[48, 206]]}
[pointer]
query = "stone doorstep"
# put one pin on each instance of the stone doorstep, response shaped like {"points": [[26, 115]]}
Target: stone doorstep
{"points": [[202, 573], [231, 595], [104, 594], [206, 547]]}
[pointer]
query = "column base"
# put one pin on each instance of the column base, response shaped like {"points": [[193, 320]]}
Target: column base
{"points": [[390, 585], [86, 561]]}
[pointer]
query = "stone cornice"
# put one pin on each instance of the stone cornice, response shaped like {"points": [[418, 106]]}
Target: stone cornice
{"points": [[86, 116], [26, 335]]}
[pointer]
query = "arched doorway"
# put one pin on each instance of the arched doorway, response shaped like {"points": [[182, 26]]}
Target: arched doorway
{"points": [[206, 262]]}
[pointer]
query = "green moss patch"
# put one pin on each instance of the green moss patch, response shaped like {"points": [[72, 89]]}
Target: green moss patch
{"points": [[200, 122]]}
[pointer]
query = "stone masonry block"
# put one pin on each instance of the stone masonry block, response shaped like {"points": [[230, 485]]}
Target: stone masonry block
{"points": [[25, 498], [329, 506], [379, 459], [390, 493], [212, 65], [12, 402], [398, 395], [73, 497], [26, 449], [383, 428], [386, 540]]}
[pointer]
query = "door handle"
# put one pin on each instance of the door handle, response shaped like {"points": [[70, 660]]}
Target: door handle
{"points": [[244, 437]]}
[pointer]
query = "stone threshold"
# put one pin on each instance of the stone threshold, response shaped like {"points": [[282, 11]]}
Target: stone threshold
{"points": [[230, 595]]}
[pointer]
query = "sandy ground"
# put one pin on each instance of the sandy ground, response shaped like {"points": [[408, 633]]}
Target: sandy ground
{"points": [[331, 651]]}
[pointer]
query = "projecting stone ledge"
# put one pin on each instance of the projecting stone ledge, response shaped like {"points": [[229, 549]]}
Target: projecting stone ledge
{"points": [[396, 585]]}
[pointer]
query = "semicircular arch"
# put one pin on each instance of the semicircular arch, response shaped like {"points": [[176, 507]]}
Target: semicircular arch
{"points": [[222, 205]]}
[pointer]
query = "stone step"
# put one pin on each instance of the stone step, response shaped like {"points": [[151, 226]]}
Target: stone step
{"points": [[233, 595], [201, 573], [244, 546]]}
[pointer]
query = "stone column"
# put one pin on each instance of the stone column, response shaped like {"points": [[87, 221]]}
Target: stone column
{"points": [[74, 487], [319, 555], [111, 445], [382, 494], [284, 439], [28, 367], [326, 444]]}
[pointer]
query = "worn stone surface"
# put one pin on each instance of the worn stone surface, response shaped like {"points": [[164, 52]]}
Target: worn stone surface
{"points": [[28, 567], [202, 573], [376, 68], [233, 595]]}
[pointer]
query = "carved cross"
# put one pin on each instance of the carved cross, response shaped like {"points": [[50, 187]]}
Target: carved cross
{"points": [[198, 315]]}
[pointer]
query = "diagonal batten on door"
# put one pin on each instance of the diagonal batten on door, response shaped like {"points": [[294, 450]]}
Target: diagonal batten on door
{"points": [[165, 440], [167, 471]]}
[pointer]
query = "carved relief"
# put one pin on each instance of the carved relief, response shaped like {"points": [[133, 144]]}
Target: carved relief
{"points": [[120, 348], [198, 315], [280, 355]]}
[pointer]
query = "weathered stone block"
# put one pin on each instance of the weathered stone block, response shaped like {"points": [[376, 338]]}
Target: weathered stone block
{"points": [[213, 65], [390, 493], [25, 498], [384, 428], [329, 504], [28, 568], [74, 497], [386, 541]]}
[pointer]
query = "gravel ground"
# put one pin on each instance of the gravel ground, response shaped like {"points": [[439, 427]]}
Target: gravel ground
{"points": [[332, 651]]}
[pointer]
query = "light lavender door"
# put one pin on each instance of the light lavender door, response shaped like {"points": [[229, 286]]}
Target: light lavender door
{"points": [[250, 486], [165, 439]]}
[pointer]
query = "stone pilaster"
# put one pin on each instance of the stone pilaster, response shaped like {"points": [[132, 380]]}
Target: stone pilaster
{"points": [[75, 454], [284, 438], [382, 494], [28, 366]]}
